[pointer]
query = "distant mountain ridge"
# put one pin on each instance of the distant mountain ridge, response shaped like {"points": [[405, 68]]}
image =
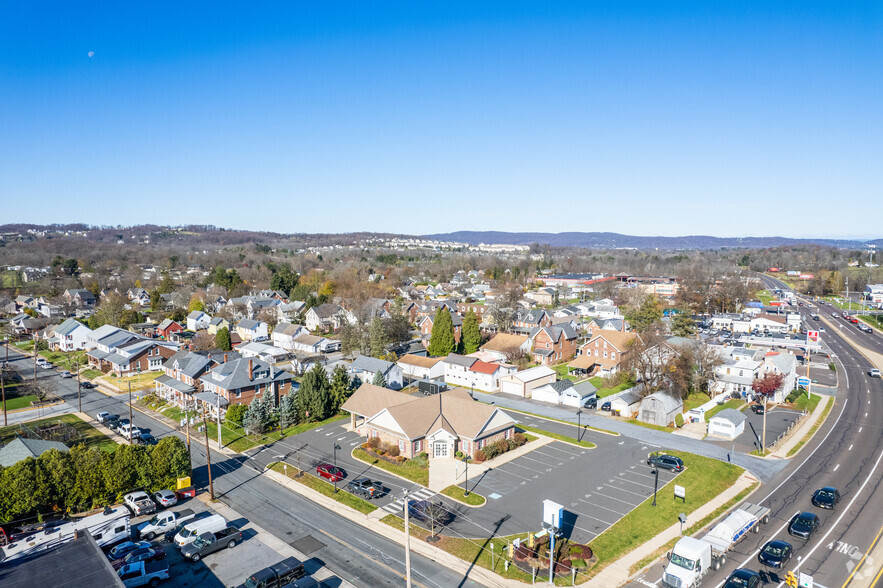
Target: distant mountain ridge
{"points": [[615, 240]]}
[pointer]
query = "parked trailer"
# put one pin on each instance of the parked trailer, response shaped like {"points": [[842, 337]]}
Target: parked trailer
{"points": [[691, 558], [106, 528]]}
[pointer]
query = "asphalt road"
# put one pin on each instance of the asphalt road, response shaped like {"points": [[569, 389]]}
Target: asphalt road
{"points": [[845, 453], [350, 551]]}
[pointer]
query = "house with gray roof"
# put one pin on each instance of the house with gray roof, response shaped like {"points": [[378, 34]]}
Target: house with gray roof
{"points": [[564, 392], [21, 448], [139, 355], [198, 320], [252, 330], [239, 381], [626, 403], [728, 423], [71, 335], [365, 368], [660, 408]]}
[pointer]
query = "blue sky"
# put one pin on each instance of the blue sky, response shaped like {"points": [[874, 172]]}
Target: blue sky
{"points": [[649, 118]]}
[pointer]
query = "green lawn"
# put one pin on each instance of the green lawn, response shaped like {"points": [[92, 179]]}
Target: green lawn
{"points": [[142, 381], [813, 429], [65, 361], [732, 403], [15, 402], [563, 438], [561, 370], [649, 426], [765, 296], [91, 374], [457, 493], [875, 320], [695, 400], [91, 436], [416, 470], [25, 345], [805, 403], [326, 488], [10, 279], [703, 479], [598, 382]]}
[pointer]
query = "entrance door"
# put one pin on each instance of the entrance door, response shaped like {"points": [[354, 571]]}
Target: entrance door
{"points": [[441, 449]]}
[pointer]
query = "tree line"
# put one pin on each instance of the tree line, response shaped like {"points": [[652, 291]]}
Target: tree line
{"points": [[86, 477]]}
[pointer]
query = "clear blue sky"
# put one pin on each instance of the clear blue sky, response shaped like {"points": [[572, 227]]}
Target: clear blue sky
{"points": [[649, 118]]}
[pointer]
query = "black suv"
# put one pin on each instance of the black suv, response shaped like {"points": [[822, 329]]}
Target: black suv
{"points": [[666, 462], [365, 487]]}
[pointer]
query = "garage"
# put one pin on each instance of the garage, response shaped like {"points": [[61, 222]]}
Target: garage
{"points": [[514, 387], [550, 393], [626, 404], [728, 424], [660, 408]]}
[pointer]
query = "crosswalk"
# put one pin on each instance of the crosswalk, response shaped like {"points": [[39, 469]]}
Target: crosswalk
{"points": [[397, 507]]}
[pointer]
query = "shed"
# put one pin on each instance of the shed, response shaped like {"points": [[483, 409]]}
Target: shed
{"points": [[627, 403], [523, 382], [728, 423], [660, 408], [551, 393], [578, 394]]}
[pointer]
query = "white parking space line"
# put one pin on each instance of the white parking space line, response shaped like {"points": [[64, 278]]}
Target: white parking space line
{"points": [[516, 464], [633, 482], [642, 474], [559, 447], [596, 505], [624, 490], [514, 475], [582, 514], [835, 467], [599, 493]]}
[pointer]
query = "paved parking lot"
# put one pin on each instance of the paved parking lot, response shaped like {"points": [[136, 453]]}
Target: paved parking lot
{"points": [[777, 421]]}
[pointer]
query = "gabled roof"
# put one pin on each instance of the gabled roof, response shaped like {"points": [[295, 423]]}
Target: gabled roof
{"points": [[419, 360], [307, 339], [457, 359], [248, 324], [369, 400], [166, 324], [619, 340], [324, 311], [669, 402], [504, 343], [371, 364], [554, 332], [454, 411], [196, 315], [69, 326], [732, 415], [233, 374], [21, 448], [482, 367]]}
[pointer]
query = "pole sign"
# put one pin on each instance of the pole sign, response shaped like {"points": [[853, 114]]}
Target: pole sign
{"points": [[552, 514], [803, 382], [812, 336], [805, 581]]}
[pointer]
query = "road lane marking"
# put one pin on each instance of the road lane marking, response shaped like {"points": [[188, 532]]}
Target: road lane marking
{"points": [[850, 448], [756, 551], [835, 467]]}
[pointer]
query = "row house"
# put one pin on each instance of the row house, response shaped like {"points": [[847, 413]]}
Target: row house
{"points": [[553, 344], [240, 381]]}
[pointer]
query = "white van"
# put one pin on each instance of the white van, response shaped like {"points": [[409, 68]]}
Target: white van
{"points": [[211, 524]]}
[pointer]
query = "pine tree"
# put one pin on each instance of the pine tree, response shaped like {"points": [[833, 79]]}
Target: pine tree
{"points": [[340, 387], [378, 338], [222, 339], [379, 380], [471, 333], [315, 391], [441, 342], [288, 410]]}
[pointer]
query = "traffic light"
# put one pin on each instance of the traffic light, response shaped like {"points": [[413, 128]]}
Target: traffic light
{"points": [[791, 579]]}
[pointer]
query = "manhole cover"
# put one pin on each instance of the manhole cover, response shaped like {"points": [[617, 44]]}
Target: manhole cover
{"points": [[307, 545]]}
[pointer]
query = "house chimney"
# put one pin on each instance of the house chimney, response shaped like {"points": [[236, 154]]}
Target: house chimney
{"points": [[250, 367]]}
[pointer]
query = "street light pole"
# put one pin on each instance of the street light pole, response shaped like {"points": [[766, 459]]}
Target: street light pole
{"points": [[579, 414], [334, 477], [407, 543], [131, 416], [655, 483], [466, 479]]}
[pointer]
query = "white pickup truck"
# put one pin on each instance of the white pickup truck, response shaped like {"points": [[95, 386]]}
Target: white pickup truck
{"points": [[139, 503], [163, 522], [691, 558]]}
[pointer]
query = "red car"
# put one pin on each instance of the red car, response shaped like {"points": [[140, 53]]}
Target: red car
{"points": [[333, 473], [853, 320]]}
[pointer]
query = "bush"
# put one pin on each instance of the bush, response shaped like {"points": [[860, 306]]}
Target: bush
{"points": [[832, 367], [479, 456], [520, 439], [423, 456], [392, 450], [400, 459], [235, 413], [795, 394], [491, 451], [373, 442], [458, 454], [502, 445], [679, 420]]}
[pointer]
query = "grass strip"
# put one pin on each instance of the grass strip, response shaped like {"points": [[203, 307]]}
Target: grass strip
{"points": [[416, 470], [89, 435], [16, 402], [812, 430], [589, 427], [703, 479], [694, 528], [457, 493], [649, 426], [91, 374], [324, 488], [564, 438]]}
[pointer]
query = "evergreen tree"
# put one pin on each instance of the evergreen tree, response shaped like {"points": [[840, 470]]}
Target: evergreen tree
{"points": [[441, 342], [471, 333], [648, 313], [340, 387], [283, 278], [315, 391], [379, 380], [288, 410], [196, 303], [682, 325], [222, 339], [254, 420], [378, 339]]}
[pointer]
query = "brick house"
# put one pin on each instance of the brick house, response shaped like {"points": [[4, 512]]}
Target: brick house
{"points": [[426, 328], [605, 351], [553, 344], [528, 320], [439, 425], [180, 383], [239, 381], [142, 355]]}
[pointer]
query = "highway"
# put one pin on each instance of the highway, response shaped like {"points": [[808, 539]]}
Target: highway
{"points": [[352, 552], [846, 453]]}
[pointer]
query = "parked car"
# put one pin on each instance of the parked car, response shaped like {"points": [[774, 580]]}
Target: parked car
{"points": [[210, 542], [591, 403], [606, 406], [144, 574], [146, 439], [152, 553], [139, 503], [87, 385], [121, 550], [277, 575], [803, 525], [743, 578], [45, 366], [366, 488], [66, 374], [874, 373], [101, 416], [120, 424], [129, 431], [165, 498], [164, 522], [826, 497], [333, 473], [666, 462], [757, 409], [775, 554]]}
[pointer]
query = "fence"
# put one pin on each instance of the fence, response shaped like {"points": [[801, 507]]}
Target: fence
{"points": [[56, 431], [784, 434]]}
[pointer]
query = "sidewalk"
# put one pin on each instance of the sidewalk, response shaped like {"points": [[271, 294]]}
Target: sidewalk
{"points": [[447, 472], [617, 573]]}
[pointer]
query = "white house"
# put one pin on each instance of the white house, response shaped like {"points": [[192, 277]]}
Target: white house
{"points": [[626, 403], [564, 392], [70, 335], [198, 320], [262, 351], [786, 365], [504, 345], [728, 423], [422, 368], [285, 334], [486, 376], [523, 382], [252, 330], [306, 343], [365, 369]]}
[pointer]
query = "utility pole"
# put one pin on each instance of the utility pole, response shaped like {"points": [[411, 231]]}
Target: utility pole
{"points": [[3, 381], [131, 416], [35, 358], [79, 398], [407, 544], [187, 420], [208, 456], [763, 442], [219, 421]]}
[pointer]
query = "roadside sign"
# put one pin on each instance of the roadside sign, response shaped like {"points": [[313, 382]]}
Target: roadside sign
{"points": [[552, 514], [804, 382], [812, 336], [805, 581]]}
